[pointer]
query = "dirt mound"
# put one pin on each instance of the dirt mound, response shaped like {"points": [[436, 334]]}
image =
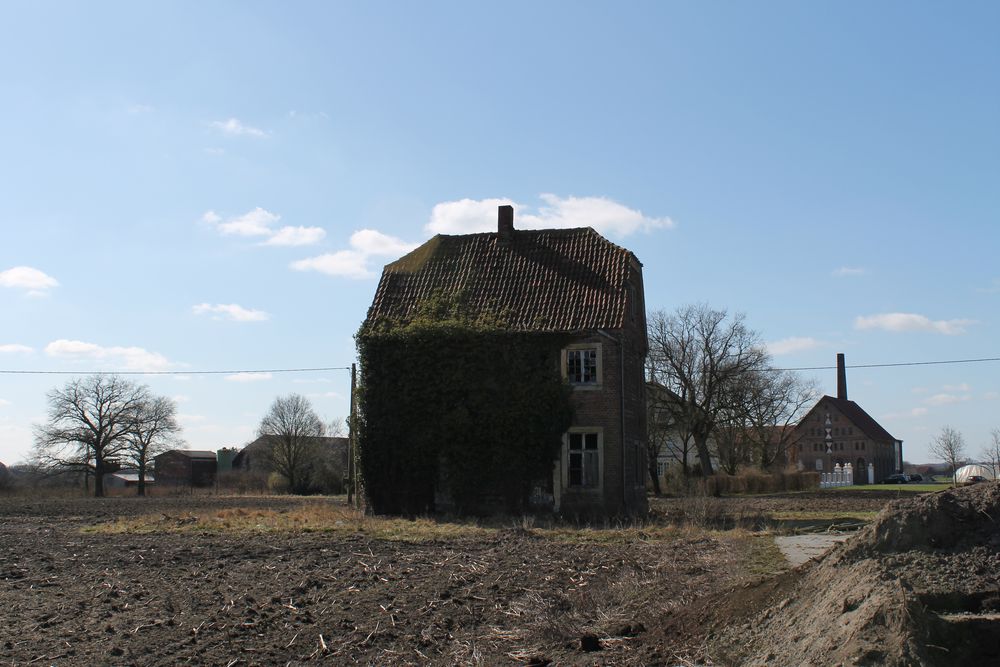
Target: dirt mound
{"points": [[957, 519], [916, 587]]}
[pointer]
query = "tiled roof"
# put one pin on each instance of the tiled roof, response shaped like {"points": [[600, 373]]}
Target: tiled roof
{"points": [[537, 280], [857, 416], [196, 453]]}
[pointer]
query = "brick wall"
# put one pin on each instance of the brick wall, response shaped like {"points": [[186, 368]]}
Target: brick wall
{"points": [[602, 407], [850, 444]]}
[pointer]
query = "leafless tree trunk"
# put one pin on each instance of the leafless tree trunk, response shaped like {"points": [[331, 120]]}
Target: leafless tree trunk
{"points": [[659, 424], [88, 422], [154, 429], [949, 447], [991, 452], [290, 425], [697, 353]]}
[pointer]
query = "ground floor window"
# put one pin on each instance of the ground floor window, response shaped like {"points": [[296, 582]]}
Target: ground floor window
{"points": [[583, 460]]}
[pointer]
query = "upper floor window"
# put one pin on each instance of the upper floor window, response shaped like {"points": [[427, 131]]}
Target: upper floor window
{"points": [[582, 364]]}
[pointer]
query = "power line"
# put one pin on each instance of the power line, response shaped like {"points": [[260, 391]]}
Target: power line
{"points": [[234, 372], [347, 368], [894, 365]]}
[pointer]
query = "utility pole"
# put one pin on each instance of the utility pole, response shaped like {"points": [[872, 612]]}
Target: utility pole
{"points": [[352, 434]]}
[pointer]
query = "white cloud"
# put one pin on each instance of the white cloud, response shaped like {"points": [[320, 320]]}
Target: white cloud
{"points": [[248, 377], [911, 322], [991, 395], [252, 223], [908, 414], [957, 387], [467, 216], [258, 222], [946, 399], [792, 345], [234, 127], [123, 358], [365, 243], [36, 282], [181, 398], [14, 348], [4, 402], [849, 272], [371, 242], [230, 311], [140, 108], [295, 236]]}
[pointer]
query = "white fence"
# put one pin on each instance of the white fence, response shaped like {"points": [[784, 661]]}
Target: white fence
{"points": [[841, 476]]}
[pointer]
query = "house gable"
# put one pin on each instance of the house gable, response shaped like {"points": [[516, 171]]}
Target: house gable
{"points": [[577, 286]]}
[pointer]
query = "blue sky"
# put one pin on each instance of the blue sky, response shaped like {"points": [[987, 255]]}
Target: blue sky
{"points": [[215, 186]]}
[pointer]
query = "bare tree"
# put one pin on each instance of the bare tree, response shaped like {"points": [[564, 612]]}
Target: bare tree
{"points": [[991, 452], [697, 353], [660, 424], [949, 446], [290, 427], [772, 403], [336, 428], [89, 420], [153, 430]]}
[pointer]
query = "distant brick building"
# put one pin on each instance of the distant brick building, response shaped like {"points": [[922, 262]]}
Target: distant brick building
{"points": [[839, 431], [185, 467], [562, 281]]}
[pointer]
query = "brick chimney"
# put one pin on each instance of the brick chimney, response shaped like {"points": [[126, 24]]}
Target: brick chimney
{"points": [[505, 221], [841, 376]]}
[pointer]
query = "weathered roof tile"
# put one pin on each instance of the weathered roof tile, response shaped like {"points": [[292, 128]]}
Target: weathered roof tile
{"points": [[538, 280]]}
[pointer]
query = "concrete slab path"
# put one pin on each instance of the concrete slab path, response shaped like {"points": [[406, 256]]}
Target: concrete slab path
{"points": [[798, 549]]}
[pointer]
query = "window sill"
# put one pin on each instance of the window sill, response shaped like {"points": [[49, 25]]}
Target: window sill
{"points": [[586, 387]]}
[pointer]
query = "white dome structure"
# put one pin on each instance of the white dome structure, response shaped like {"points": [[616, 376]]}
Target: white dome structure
{"points": [[965, 472]]}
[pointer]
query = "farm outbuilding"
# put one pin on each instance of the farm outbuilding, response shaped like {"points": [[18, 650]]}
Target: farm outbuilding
{"points": [[123, 479], [186, 467]]}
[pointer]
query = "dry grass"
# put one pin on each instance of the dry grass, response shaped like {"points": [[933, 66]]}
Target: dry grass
{"points": [[333, 518], [829, 515], [308, 518], [763, 557]]}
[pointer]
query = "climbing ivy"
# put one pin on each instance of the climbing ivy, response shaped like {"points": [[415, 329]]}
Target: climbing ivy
{"points": [[457, 407]]}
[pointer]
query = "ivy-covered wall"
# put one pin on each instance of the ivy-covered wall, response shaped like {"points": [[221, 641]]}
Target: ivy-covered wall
{"points": [[460, 406]]}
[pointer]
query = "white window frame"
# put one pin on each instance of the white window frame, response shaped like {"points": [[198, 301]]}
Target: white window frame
{"points": [[599, 361], [583, 430]]}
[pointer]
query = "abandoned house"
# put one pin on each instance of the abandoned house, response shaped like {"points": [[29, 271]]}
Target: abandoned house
{"points": [[185, 467], [838, 431], [573, 282]]}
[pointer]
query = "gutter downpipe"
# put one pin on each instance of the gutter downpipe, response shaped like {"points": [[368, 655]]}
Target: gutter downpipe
{"points": [[621, 383]]}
